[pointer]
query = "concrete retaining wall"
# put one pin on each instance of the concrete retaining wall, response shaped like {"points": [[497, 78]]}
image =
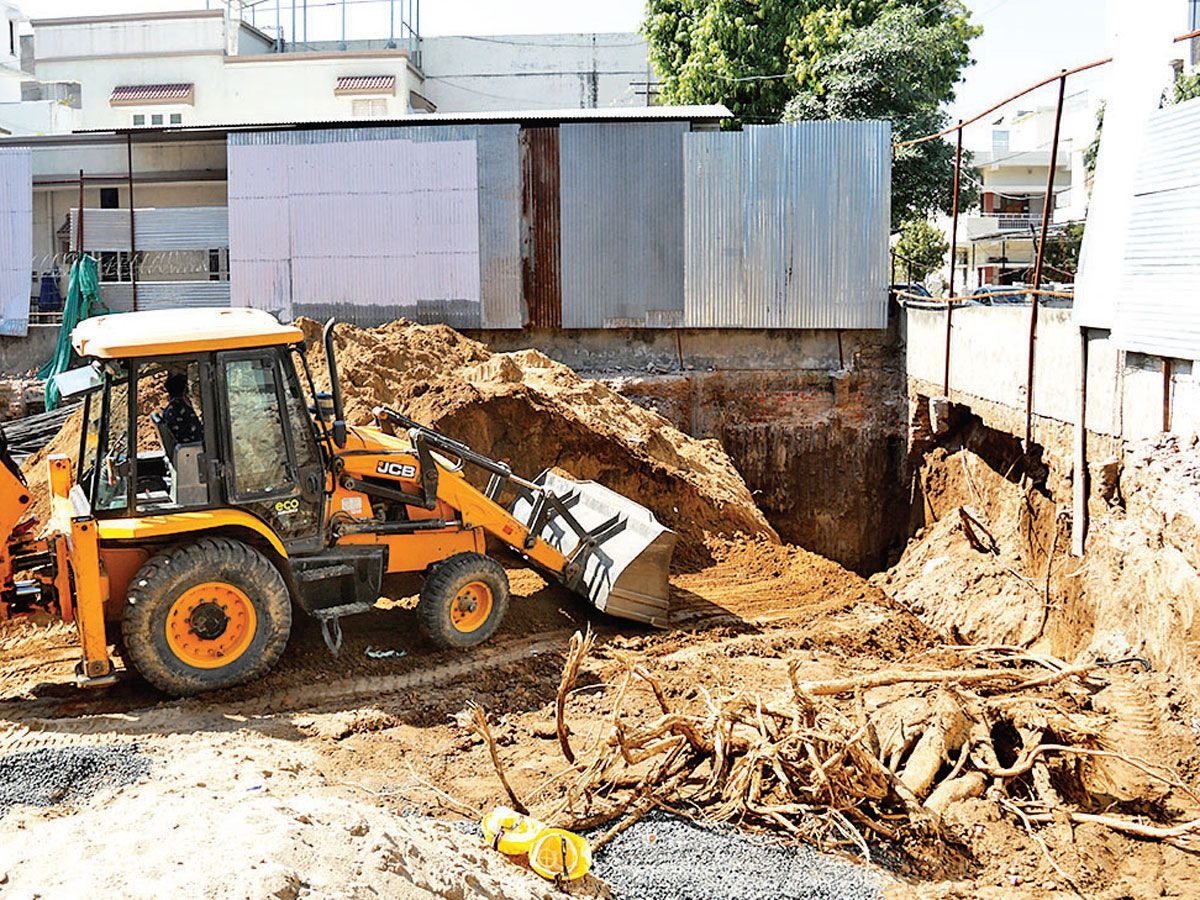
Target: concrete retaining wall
{"points": [[989, 356], [20, 355]]}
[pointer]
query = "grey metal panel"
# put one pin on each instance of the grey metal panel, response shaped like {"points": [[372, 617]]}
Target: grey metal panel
{"points": [[156, 228], [499, 216], [16, 239], [164, 294], [786, 226], [1157, 311], [622, 224]]}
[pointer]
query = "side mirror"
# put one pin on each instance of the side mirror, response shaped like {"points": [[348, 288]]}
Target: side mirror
{"points": [[335, 385]]}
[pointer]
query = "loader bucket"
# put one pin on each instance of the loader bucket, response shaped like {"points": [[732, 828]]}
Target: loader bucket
{"points": [[622, 552]]}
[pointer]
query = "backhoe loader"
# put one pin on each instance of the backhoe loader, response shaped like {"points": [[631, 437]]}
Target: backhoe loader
{"points": [[190, 526]]}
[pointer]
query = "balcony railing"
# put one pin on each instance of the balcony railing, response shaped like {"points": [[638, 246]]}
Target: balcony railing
{"points": [[1011, 221]]}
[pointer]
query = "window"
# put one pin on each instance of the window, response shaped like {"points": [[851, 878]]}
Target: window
{"points": [[260, 462], [156, 119], [303, 439], [176, 118], [110, 198], [169, 411], [115, 266], [12, 37], [218, 264], [139, 119], [370, 108], [105, 457]]}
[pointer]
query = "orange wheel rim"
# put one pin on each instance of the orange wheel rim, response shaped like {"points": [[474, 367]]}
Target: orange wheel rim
{"points": [[471, 607], [211, 625]]}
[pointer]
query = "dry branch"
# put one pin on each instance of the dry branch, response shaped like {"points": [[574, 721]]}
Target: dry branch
{"points": [[808, 765], [581, 645], [480, 725]]}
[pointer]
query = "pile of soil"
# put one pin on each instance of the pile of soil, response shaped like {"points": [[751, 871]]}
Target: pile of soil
{"points": [[527, 410], [829, 605], [977, 570]]}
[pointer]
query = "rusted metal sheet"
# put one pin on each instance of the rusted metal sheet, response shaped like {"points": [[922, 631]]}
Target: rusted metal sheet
{"points": [[541, 235]]}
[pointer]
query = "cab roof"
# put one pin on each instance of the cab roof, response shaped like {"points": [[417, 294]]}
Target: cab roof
{"points": [[167, 332]]}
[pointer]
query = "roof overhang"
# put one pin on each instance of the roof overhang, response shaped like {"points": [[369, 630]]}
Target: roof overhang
{"points": [[151, 94], [709, 115], [365, 86]]}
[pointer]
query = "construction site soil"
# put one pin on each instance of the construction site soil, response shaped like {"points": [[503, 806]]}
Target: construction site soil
{"points": [[337, 777]]}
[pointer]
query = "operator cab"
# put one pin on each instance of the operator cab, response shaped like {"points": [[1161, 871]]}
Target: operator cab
{"points": [[224, 424]]}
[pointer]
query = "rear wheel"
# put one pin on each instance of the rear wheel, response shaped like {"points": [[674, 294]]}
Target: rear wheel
{"points": [[463, 600], [207, 615]]}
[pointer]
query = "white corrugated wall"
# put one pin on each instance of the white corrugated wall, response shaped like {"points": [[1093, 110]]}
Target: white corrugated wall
{"points": [[370, 230], [16, 239], [1158, 296]]}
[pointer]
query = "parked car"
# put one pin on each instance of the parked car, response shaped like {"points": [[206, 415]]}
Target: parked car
{"points": [[909, 287], [1000, 295]]}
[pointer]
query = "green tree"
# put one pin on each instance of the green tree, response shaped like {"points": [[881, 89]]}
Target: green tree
{"points": [[921, 249], [880, 71], [1092, 152], [1186, 87], [1061, 259], [769, 60]]}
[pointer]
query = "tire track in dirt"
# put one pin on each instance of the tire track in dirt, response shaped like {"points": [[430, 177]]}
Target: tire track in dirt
{"points": [[192, 715]]}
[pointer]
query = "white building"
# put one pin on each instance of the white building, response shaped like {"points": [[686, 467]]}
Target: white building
{"points": [[997, 240], [209, 67]]}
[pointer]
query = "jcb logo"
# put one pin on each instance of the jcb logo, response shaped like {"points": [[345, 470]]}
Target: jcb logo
{"points": [[396, 470], [287, 507]]}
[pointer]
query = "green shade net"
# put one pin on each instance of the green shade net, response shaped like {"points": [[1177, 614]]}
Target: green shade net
{"points": [[83, 300]]}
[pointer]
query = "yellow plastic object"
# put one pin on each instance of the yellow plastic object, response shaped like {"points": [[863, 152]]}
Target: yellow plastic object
{"points": [[510, 832], [560, 855]]}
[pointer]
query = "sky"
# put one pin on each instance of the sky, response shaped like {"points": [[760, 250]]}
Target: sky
{"points": [[1023, 40]]}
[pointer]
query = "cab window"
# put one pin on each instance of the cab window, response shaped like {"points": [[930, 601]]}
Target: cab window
{"points": [[258, 446]]}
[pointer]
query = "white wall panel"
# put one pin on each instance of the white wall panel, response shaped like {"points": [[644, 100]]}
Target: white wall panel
{"points": [[16, 239], [370, 230]]}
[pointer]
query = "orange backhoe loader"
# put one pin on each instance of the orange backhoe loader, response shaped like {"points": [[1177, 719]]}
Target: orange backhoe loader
{"points": [[215, 490]]}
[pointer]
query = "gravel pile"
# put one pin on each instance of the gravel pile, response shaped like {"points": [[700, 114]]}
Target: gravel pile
{"points": [[664, 856], [49, 776]]}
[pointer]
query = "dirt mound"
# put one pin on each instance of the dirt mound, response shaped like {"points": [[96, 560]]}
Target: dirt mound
{"points": [[977, 571], [36, 474], [758, 581], [528, 410]]}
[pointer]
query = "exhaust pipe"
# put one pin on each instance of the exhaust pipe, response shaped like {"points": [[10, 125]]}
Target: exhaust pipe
{"points": [[335, 385]]}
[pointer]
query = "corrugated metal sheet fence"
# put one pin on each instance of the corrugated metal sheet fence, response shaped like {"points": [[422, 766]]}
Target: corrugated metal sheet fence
{"points": [[593, 225], [1157, 308], [157, 228], [16, 239], [786, 226], [622, 224], [391, 227]]}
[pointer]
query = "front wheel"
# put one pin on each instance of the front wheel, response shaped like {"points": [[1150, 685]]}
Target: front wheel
{"points": [[207, 615], [463, 600]]}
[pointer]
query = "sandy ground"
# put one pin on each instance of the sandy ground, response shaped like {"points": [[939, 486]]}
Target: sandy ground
{"points": [[290, 770]]}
